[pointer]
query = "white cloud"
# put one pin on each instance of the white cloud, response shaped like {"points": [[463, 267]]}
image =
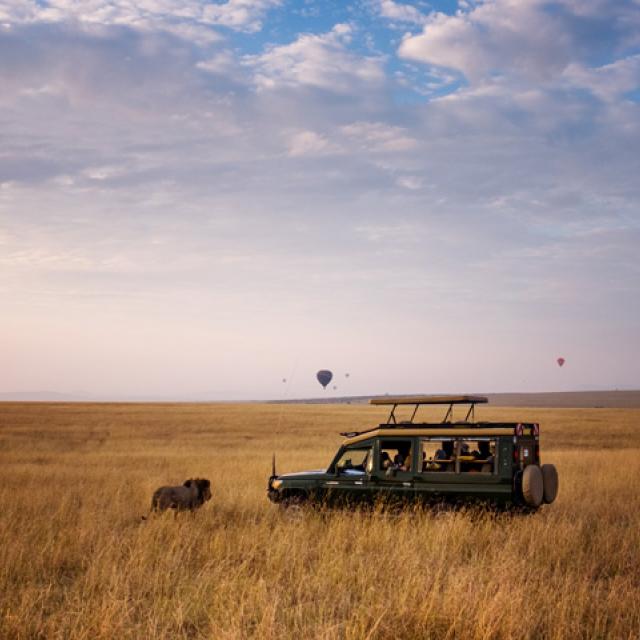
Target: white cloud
{"points": [[607, 82], [242, 15], [498, 36], [310, 143], [400, 12], [378, 136], [223, 62], [189, 19], [317, 60], [523, 48]]}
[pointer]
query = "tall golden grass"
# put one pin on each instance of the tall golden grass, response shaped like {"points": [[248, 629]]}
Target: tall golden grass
{"points": [[76, 561]]}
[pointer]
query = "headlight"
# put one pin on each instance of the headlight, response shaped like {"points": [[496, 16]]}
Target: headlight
{"points": [[276, 484]]}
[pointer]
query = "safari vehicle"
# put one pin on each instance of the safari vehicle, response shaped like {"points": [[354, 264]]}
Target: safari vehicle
{"points": [[457, 461]]}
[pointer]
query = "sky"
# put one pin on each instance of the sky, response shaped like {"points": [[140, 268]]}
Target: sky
{"points": [[199, 200]]}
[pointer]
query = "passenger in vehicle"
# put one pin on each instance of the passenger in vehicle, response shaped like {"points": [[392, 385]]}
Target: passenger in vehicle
{"points": [[484, 453], [385, 461], [465, 452], [445, 453], [484, 450], [402, 460]]}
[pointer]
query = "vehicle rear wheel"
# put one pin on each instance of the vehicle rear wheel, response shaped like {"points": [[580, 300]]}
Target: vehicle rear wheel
{"points": [[532, 486], [550, 483]]}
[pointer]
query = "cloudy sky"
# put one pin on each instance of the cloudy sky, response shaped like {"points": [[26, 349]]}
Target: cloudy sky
{"points": [[204, 198]]}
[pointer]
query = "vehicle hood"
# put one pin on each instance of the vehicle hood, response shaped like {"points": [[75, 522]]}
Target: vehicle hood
{"points": [[301, 475]]}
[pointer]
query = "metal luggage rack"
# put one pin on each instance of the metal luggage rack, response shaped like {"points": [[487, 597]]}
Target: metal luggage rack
{"points": [[418, 401]]}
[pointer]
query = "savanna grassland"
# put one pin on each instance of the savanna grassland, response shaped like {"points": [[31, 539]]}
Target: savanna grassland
{"points": [[77, 561]]}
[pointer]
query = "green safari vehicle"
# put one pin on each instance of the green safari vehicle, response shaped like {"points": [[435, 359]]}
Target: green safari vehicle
{"points": [[494, 462]]}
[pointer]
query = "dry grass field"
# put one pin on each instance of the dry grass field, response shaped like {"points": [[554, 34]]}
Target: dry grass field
{"points": [[76, 561]]}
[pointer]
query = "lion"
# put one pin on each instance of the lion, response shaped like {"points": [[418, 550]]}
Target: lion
{"points": [[191, 495]]}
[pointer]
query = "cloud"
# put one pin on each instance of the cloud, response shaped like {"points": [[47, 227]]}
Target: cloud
{"points": [[524, 40], [378, 137], [352, 139], [321, 61], [310, 143], [243, 15], [222, 62], [492, 37], [607, 82], [400, 12], [188, 19]]}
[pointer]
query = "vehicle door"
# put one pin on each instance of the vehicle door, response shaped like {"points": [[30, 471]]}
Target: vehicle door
{"points": [[394, 468], [348, 481]]}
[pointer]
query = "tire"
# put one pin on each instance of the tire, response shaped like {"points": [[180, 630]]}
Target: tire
{"points": [[550, 483], [532, 486]]}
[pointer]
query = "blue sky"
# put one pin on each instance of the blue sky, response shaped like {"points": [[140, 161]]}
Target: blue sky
{"points": [[199, 199]]}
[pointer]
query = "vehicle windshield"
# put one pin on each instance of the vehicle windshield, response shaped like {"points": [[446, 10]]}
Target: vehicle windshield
{"points": [[353, 461]]}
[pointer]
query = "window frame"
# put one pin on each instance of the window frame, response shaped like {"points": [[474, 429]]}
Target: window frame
{"points": [[457, 443]]}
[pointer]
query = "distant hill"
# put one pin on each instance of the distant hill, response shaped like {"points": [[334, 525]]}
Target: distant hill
{"points": [[573, 399], [567, 399]]}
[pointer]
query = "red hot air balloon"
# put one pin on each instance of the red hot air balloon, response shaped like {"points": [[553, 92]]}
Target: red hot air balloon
{"points": [[560, 361], [324, 377]]}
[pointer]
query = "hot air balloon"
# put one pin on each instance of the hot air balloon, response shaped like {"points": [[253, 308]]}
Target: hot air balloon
{"points": [[560, 361], [324, 377], [346, 375], [284, 380]]}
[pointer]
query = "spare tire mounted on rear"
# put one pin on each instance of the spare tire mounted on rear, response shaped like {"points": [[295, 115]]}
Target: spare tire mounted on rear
{"points": [[532, 486]]}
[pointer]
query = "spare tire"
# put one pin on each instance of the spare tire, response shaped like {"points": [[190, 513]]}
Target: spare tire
{"points": [[532, 485], [549, 482]]}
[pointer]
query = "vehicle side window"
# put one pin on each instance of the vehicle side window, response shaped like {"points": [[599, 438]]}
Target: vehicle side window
{"points": [[459, 455], [438, 455], [477, 456], [354, 460], [395, 454]]}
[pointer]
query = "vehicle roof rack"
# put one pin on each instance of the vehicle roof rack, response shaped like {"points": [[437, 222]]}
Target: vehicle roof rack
{"points": [[395, 401]]}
